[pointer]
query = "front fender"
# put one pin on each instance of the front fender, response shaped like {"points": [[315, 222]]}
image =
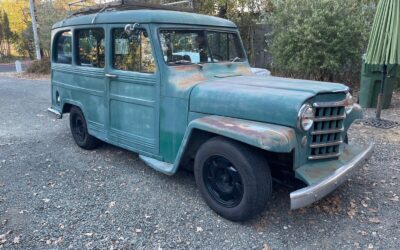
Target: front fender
{"points": [[355, 114], [266, 136], [269, 137]]}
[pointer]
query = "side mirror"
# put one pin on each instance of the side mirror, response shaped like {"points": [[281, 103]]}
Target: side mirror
{"points": [[132, 32], [130, 28]]}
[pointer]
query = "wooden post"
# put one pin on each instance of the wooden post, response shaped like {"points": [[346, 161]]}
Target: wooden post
{"points": [[34, 27], [381, 93]]}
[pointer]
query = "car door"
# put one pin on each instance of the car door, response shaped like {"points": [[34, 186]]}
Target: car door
{"points": [[133, 90]]}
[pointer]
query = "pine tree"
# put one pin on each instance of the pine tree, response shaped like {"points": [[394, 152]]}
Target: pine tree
{"points": [[6, 34]]}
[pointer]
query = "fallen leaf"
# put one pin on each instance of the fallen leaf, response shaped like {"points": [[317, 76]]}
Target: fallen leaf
{"points": [[352, 209], [370, 246], [138, 230], [46, 200], [17, 239], [48, 242], [59, 240], [374, 220], [112, 204], [89, 234], [266, 247], [199, 229], [364, 204]]}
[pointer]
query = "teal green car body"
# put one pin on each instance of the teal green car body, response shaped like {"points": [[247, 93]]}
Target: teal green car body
{"points": [[164, 115]]}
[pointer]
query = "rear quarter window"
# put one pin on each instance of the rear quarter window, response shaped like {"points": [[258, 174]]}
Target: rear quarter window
{"points": [[63, 48]]}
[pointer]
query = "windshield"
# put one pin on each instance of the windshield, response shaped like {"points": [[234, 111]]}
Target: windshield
{"points": [[194, 46]]}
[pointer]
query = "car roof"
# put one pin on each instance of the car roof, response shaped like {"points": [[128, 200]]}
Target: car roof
{"points": [[146, 16]]}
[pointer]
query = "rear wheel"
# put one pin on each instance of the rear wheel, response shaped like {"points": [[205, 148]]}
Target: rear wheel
{"points": [[79, 130], [234, 180]]}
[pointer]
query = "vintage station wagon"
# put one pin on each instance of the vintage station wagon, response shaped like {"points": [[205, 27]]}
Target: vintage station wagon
{"points": [[177, 88]]}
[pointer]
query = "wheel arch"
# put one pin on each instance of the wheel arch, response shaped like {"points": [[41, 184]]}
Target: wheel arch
{"points": [[68, 104], [269, 138]]}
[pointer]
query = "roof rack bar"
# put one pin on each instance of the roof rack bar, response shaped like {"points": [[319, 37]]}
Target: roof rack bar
{"points": [[189, 2], [130, 5]]}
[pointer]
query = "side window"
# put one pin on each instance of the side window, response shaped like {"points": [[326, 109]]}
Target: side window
{"points": [[91, 48], [225, 46], [132, 52], [63, 49]]}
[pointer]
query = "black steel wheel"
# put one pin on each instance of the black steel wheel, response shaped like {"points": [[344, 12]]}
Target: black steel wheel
{"points": [[223, 181], [233, 178], [79, 130]]}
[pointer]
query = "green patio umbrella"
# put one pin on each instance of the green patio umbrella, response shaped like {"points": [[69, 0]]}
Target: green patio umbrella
{"points": [[384, 43]]}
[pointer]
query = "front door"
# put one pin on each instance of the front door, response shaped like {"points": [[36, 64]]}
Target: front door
{"points": [[132, 90]]}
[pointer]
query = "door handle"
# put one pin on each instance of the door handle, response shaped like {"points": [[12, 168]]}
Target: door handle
{"points": [[111, 76]]}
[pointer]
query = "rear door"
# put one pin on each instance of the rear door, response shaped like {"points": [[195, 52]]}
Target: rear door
{"points": [[133, 84]]}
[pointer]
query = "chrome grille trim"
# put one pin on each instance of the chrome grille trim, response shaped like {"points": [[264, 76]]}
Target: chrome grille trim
{"points": [[330, 104], [324, 132], [326, 156], [326, 144], [329, 118], [327, 132]]}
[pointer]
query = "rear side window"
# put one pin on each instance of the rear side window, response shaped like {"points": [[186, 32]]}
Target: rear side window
{"points": [[132, 52], [91, 48], [63, 50]]}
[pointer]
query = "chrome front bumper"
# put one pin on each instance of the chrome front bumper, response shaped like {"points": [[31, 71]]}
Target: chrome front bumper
{"points": [[306, 196]]}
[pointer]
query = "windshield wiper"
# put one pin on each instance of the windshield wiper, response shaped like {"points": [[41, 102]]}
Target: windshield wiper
{"points": [[181, 62], [236, 59]]}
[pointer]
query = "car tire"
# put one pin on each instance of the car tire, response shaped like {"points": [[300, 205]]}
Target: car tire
{"points": [[78, 126], [233, 178]]}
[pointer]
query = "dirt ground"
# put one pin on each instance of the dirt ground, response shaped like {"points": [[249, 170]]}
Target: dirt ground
{"points": [[54, 195]]}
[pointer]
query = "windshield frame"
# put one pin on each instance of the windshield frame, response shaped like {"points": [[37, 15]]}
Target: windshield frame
{"points": [[205, 30]]}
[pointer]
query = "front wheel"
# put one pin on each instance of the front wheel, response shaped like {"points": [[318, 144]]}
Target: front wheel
{"points": [[78, 125], [234, 180]]}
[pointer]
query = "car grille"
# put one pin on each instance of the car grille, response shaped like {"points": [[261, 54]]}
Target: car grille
{"points": [[326, 135]]}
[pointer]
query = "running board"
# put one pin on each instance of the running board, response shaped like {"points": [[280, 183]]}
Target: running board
{"points": [[164, 167]]}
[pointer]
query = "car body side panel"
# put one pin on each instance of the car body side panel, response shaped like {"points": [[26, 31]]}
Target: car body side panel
{"points": [[269, 137]]}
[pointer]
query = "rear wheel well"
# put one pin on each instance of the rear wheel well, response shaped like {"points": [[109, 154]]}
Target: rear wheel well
{"points": [[281, 164], [67, 108]]}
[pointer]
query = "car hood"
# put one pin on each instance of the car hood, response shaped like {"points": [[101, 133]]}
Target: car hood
{"points": [[266, 99]]}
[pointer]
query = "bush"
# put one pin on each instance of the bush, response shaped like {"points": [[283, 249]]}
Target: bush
{"points": [[319, 39], [39, 67]]}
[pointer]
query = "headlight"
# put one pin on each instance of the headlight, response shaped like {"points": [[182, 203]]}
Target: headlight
{"points": [[306, 117], [349, 103]]}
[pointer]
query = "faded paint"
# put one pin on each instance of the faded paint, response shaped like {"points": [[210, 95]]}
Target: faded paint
{"points": [[155, 114], [313, 172], [269, 137]]}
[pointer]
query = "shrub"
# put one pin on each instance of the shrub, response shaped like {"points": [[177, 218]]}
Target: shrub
{"points": [[39, 67], [319, 39]]}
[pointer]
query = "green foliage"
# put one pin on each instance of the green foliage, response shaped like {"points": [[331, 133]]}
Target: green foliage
{"points": [[47, 14], [39, 67], [245, 13], [6, 35], [24, 42], [319, 39]]}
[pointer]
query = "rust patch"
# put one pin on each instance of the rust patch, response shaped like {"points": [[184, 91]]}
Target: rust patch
{"points": [[266, 137], [319, 173], [185, 77], [244, 70], [186, 82]]}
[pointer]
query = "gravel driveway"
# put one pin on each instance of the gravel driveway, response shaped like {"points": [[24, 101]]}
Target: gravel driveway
{"points": [[54, 195]]}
